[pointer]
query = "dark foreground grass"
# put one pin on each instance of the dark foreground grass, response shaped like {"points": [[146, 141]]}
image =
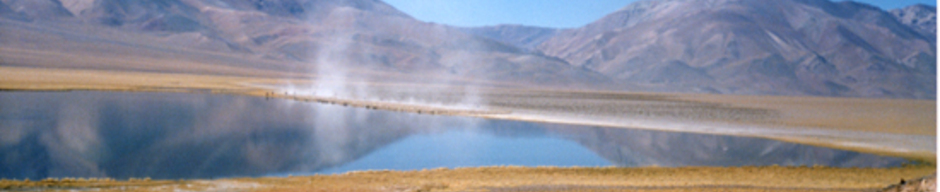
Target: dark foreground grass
{"points": [[769, 178]]}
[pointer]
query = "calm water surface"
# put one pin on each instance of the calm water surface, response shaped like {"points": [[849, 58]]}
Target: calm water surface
{"points": [[174, 135]]}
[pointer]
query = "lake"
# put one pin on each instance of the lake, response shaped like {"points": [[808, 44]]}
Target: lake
{"points": [[184, 135]]}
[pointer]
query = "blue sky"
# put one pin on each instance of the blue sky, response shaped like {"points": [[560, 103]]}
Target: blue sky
{"points": [[544, 13]]}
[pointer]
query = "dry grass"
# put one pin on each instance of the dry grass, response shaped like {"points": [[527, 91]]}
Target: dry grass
{"points": [[769, 178], [900, 116], [41, 79]]}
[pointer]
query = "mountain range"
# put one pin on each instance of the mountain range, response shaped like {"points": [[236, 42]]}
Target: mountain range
{"points": [[810, 47], [782, 47]]}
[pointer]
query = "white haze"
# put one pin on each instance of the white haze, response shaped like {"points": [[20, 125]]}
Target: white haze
{"points": [[337, 62]]}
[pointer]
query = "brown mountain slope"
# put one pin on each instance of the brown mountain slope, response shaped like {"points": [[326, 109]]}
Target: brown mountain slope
{"points": [[329, 39], [787, 47], [525, 37]]}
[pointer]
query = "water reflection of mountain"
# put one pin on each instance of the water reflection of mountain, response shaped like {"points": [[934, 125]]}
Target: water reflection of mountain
{"points": [[163, 135], [182, 136], [630, 147], [634, 147]]}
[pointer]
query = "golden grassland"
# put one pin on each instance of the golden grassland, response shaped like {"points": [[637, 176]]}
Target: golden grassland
{"points": [[769, 178], [874, 115]]}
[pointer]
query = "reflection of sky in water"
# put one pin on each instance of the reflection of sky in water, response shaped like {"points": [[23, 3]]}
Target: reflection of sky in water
{"points": [[471, 149], [168, 135]]}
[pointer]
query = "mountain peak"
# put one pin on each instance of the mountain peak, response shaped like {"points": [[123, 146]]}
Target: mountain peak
{"points": [[779, 47], [322, 37], [923, 7], [920, 17], [786, 47], [38, 9]]}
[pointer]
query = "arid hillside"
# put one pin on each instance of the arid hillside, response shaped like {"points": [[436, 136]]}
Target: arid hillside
{"points": [[787, 47], [338, 40]]}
